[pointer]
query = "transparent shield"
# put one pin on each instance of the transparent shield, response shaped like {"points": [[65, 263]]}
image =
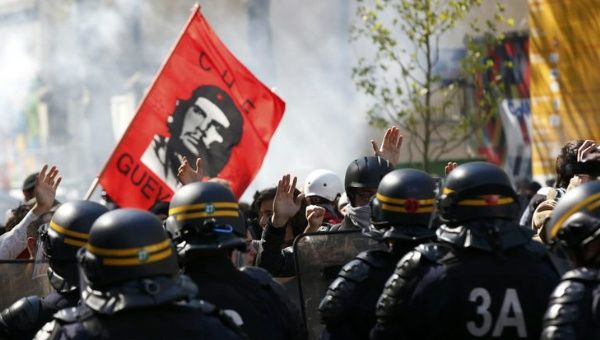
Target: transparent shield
{"points": [[17, 280], [319, 258]]}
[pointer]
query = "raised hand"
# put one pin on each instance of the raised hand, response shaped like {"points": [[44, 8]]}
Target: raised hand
{"points": [[285, 205], [187, 175], [390, 145], [588, 151], [45, 189], [449, 167], [314, 216]]}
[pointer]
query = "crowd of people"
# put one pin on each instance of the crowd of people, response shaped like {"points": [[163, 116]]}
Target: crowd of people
{"points": [[467, 256]]}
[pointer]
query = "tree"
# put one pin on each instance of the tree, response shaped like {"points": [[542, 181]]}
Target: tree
{"points": [[399, 78]]}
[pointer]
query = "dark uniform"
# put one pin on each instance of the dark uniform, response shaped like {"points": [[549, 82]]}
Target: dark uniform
{"points": [[60, 240], [133, 288], [279, 262], [182, 320], [25, 317], [205, 221], [400, 215], [483, 278], [573, 312]]}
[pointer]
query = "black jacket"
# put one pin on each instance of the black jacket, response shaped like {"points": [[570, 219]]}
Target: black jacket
{"points": [[27, 316], [249, 295]]}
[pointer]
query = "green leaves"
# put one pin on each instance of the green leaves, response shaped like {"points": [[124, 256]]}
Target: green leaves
{"points": [[397, 73]]}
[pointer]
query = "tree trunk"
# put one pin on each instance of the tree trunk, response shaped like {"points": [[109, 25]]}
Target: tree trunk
{"points": [[428, 76]]}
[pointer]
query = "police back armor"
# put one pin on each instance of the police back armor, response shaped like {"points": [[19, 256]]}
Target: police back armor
{"points": [[348, 308], [474, 283], [249, 296], [573, 309], [185, 320], [400, 212]]}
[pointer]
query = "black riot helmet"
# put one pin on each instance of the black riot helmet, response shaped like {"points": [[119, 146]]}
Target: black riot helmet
{"points": [[575, 222], [475, 191], [365, 172], [205, 216], [68, 231], [125, 245], [403, 205]]}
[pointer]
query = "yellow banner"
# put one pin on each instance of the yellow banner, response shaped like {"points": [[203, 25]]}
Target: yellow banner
{"points": [[564, 54]]}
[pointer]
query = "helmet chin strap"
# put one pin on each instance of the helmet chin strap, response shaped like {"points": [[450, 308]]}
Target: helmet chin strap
{"points": [[59, 283]]}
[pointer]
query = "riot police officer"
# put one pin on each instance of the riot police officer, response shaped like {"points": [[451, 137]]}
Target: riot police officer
{"points": [[400, 216], [483, 277], [67, 231], [574, 229], [132, 287], [205, 220]]}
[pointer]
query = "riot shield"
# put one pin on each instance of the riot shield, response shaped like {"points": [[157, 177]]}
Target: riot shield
{"points": [[319, 258], [21, 278]]}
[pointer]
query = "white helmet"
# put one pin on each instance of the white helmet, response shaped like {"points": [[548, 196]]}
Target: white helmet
{"points": [[323, 183]]}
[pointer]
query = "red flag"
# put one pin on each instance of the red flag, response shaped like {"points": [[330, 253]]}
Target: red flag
{"points": [[204, 103]]}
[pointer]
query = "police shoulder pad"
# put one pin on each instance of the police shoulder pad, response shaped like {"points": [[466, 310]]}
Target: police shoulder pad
{"points": [[398, 287], [433, 252], [563, 311], [375, 258], [333, 305], [24, 313], [568, 291], [204, 306], [258, 274], [47, 331], [356, 270], [582, 274], [73, 314]]}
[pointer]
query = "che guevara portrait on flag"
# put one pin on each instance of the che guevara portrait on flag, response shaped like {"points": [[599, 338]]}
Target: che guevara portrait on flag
{"points": [[206, 125], [203, 103]]}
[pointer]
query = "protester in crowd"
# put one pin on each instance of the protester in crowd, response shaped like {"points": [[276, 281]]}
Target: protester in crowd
{"points": [[16, 215], [13, 242], [263, 205], [28, 187], [342, 204], [262, 209], [362, 178], [540, 196], [525, 189], [33, 232], [205, 221], [578, 162], [481, 258], [361, 181], [67, 231], [574, 229], [133, 289], [400, 217], [274, 255], [321, 190]]}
